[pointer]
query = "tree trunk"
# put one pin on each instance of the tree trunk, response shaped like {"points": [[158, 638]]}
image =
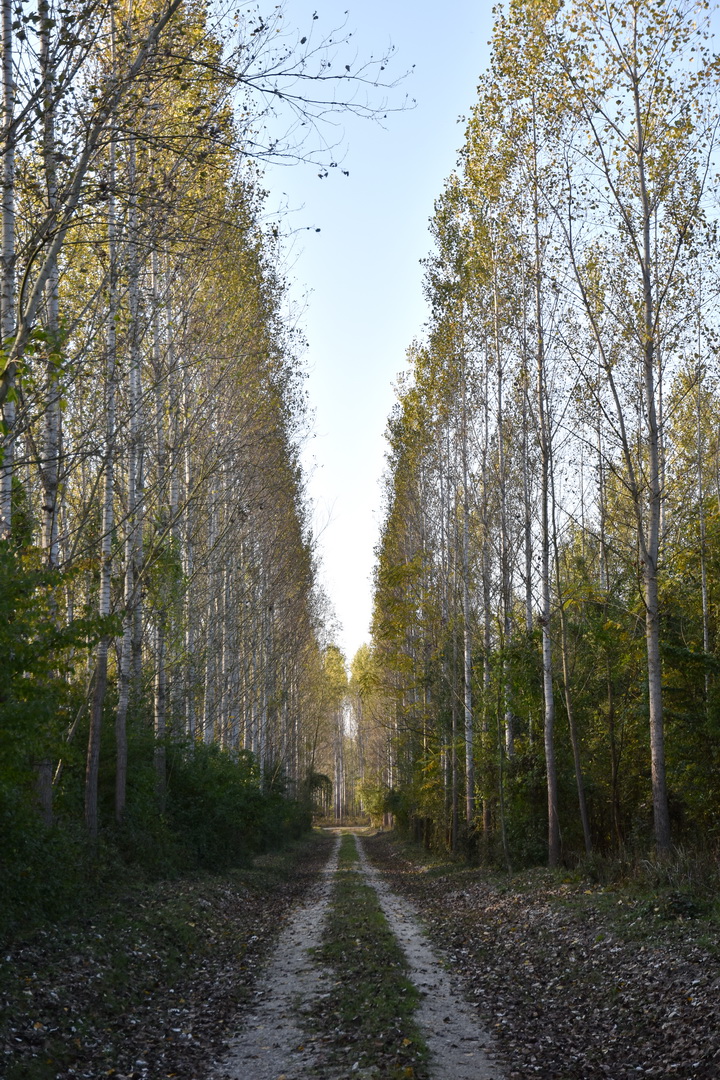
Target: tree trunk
{"points": [[51, 425], [504, 537], [160, 615], [650, 544], [131, 647], [7, 285], [92, 767], [574, 741], [545, 436], [703, 536], [108, 512], [467, 635], [189, 566]]}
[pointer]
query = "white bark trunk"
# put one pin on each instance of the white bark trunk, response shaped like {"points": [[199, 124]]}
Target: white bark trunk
{"points": [[7, 284], [545, 436], [51, 433], [128, 676], [108, 511], [650, 542], [504, 537], [467, 634]]}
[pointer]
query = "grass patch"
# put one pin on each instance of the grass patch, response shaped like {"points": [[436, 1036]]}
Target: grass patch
{"points": [[369, 1017]]}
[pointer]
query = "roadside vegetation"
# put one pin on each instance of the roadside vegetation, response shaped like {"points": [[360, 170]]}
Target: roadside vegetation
{"points": [[147, 981], [576, 978], [216, 817]]}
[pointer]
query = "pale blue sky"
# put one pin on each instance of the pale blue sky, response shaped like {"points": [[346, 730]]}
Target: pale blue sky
{"points": [[362, 270]]}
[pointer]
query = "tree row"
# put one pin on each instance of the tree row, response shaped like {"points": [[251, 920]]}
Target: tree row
{"points": [[546, 603]]}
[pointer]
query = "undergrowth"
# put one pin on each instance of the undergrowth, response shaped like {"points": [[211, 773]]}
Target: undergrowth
{"points": [[216, 816], [154, 972], [640, 896]]}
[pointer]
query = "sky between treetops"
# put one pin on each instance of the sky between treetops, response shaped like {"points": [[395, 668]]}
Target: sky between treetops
{"points": [[360, 277]]}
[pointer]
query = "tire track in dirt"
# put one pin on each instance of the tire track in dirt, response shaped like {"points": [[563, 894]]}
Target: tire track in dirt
{"points": [[273, 1042], [459, 1046]]}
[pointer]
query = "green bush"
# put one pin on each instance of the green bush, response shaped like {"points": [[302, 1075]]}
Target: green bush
{"points": [[217, 808], [215, 811]]}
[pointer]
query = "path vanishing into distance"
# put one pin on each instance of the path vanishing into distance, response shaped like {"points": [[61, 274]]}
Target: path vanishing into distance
{"points": [[506, 978], [280, 1039], [315, 964]]}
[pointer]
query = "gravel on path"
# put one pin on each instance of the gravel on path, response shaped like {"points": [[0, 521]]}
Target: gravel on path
{"points": [[459, 1046], [271, 1043]]}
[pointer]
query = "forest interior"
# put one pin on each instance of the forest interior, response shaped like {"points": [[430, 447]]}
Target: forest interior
{"points": [[487, 845]]}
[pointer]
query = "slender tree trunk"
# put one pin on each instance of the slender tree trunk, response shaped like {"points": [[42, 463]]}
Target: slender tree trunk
{"points": [[504, 536], [700, 453], [527, 523], [455, 807], [160, 712], [545, 437], [547, 665], [448, 770], [501, 781], [7, 285], [108, 513], [51, 433], [650, 544], [160, 696], [136, 450], [614, 759], [121, 739], [487, 610], [338, 768], [189, 565], [50, 441], [131, 647], [467, 635], [92, 767]]}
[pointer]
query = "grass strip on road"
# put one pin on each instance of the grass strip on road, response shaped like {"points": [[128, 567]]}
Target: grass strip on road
{"points": [[367, 1020]]}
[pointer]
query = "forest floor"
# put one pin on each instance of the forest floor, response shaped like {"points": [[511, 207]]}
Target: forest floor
{"points": [[573, 981], [149, 984]]}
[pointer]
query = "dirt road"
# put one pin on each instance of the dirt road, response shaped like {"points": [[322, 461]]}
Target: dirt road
{"points": [[275, 1041]]}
